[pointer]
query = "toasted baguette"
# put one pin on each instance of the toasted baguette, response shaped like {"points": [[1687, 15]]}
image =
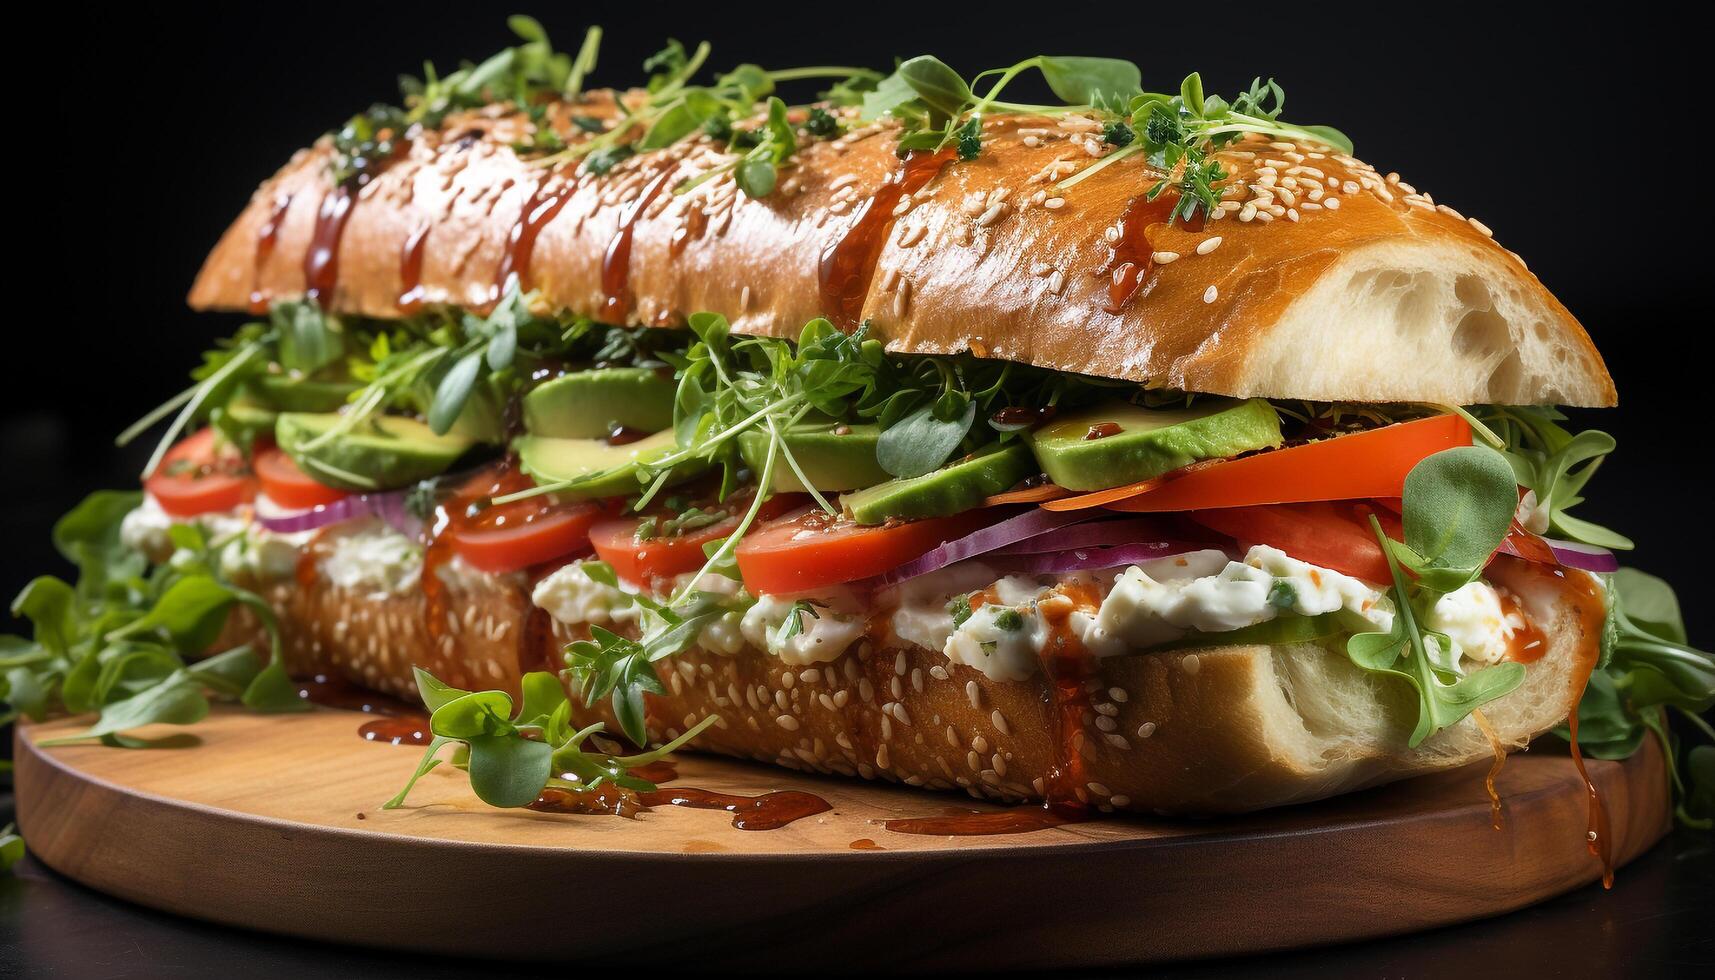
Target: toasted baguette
{"points": [[1216, 730], [1329, 280]]}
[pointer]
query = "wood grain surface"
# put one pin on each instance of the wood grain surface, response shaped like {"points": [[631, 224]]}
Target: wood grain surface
{"points": [[274, 823]]}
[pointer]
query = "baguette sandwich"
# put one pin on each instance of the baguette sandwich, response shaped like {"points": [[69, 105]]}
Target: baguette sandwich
{"points": [[1131, 452]]}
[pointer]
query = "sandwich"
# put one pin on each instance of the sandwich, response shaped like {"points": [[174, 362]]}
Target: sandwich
{"points": [[1126, 451]]}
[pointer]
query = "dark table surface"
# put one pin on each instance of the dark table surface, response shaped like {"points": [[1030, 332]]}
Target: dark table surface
{"points": [[1657, 922]]}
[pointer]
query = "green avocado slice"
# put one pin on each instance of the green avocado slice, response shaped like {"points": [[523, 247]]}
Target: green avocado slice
{"points": [[832, 457], [952, 489], [1117, 443], [590, 404], [380, 453], [595, 467]]}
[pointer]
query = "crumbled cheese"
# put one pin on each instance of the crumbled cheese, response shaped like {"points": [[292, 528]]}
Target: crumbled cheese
{"points": [[1477, 621], [145, 528], [569, 595], [372, 557], [836, 624]]}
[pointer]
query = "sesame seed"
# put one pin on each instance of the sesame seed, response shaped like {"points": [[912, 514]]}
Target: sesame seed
{"points": [[1484, 229], [1332, 204], [1000, 723], [1208, 245], [1120, 800], [1054, 203], [1210, 294], [1099, 789], [784, 721], [974, 693], [1118, 694], [1162, 258], [1192, 664]]}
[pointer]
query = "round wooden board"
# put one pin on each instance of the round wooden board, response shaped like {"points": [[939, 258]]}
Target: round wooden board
{"points": [[274, 823]]}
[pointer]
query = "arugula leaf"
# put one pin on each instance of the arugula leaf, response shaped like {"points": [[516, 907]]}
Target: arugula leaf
{"points": [[1647, 668], [1092, 81], [1458, 507], [176, 701], [11, 848], [1445, 698], [925, 439], [510, 758]]}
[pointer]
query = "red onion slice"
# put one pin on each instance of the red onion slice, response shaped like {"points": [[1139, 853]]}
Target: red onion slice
{"points": [[390, 507], [1588, 557], [1094, 534], [1096, 559], [1022, 527]]}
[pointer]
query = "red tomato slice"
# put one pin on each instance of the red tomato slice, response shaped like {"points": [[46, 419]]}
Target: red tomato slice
{"points": [[1332, 534], [810, 549], [643, 562], [287, 485], [518, 535], [200, 475], [1350, 467]]}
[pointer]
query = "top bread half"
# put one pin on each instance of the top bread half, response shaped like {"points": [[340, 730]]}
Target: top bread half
{"points": [[1320, 278]]}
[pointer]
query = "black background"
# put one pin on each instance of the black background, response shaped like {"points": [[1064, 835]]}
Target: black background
{"points": [[136, 136]]}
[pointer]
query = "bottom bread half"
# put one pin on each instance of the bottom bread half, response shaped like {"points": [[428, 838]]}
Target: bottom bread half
{"points": [[1214, 730]]}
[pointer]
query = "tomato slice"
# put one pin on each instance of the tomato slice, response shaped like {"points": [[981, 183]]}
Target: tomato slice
{"points": [[511, 537], [1350, 467], [1332, 534], [288, 485], [200, 475], [667, 555], [810, 549]]}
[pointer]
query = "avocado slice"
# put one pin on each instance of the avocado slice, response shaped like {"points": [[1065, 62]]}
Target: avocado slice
{"points": [[833, 457], [379, 453], [599, 468], [590, 404], [952, 489], [289, 394], [1117, 443]]}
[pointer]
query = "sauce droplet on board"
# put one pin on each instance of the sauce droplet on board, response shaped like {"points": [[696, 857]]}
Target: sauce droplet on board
{"points": [[333, 692], [616, 264], [848, 264], [267, 236], [1014, 820], [546, 201], [397, 730], [1130, 255], [411, 270], [865, 844], [770, 811]]}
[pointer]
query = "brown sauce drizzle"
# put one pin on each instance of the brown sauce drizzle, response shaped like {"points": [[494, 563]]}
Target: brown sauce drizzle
{"points": [[608, 800], [546, 201], [321, 262], [865, 844], [1130, 255], [616, 264], [411, 270], [267, 236], [1527, 644], [1496, 819], [396, 730], [770, 811], [1014, 820], [848, 264], [333, 692], [1585, 595], [1101, 430]]}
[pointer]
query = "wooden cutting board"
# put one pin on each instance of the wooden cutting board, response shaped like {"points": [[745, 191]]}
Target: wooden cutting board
{"points": [[275, 823]]}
